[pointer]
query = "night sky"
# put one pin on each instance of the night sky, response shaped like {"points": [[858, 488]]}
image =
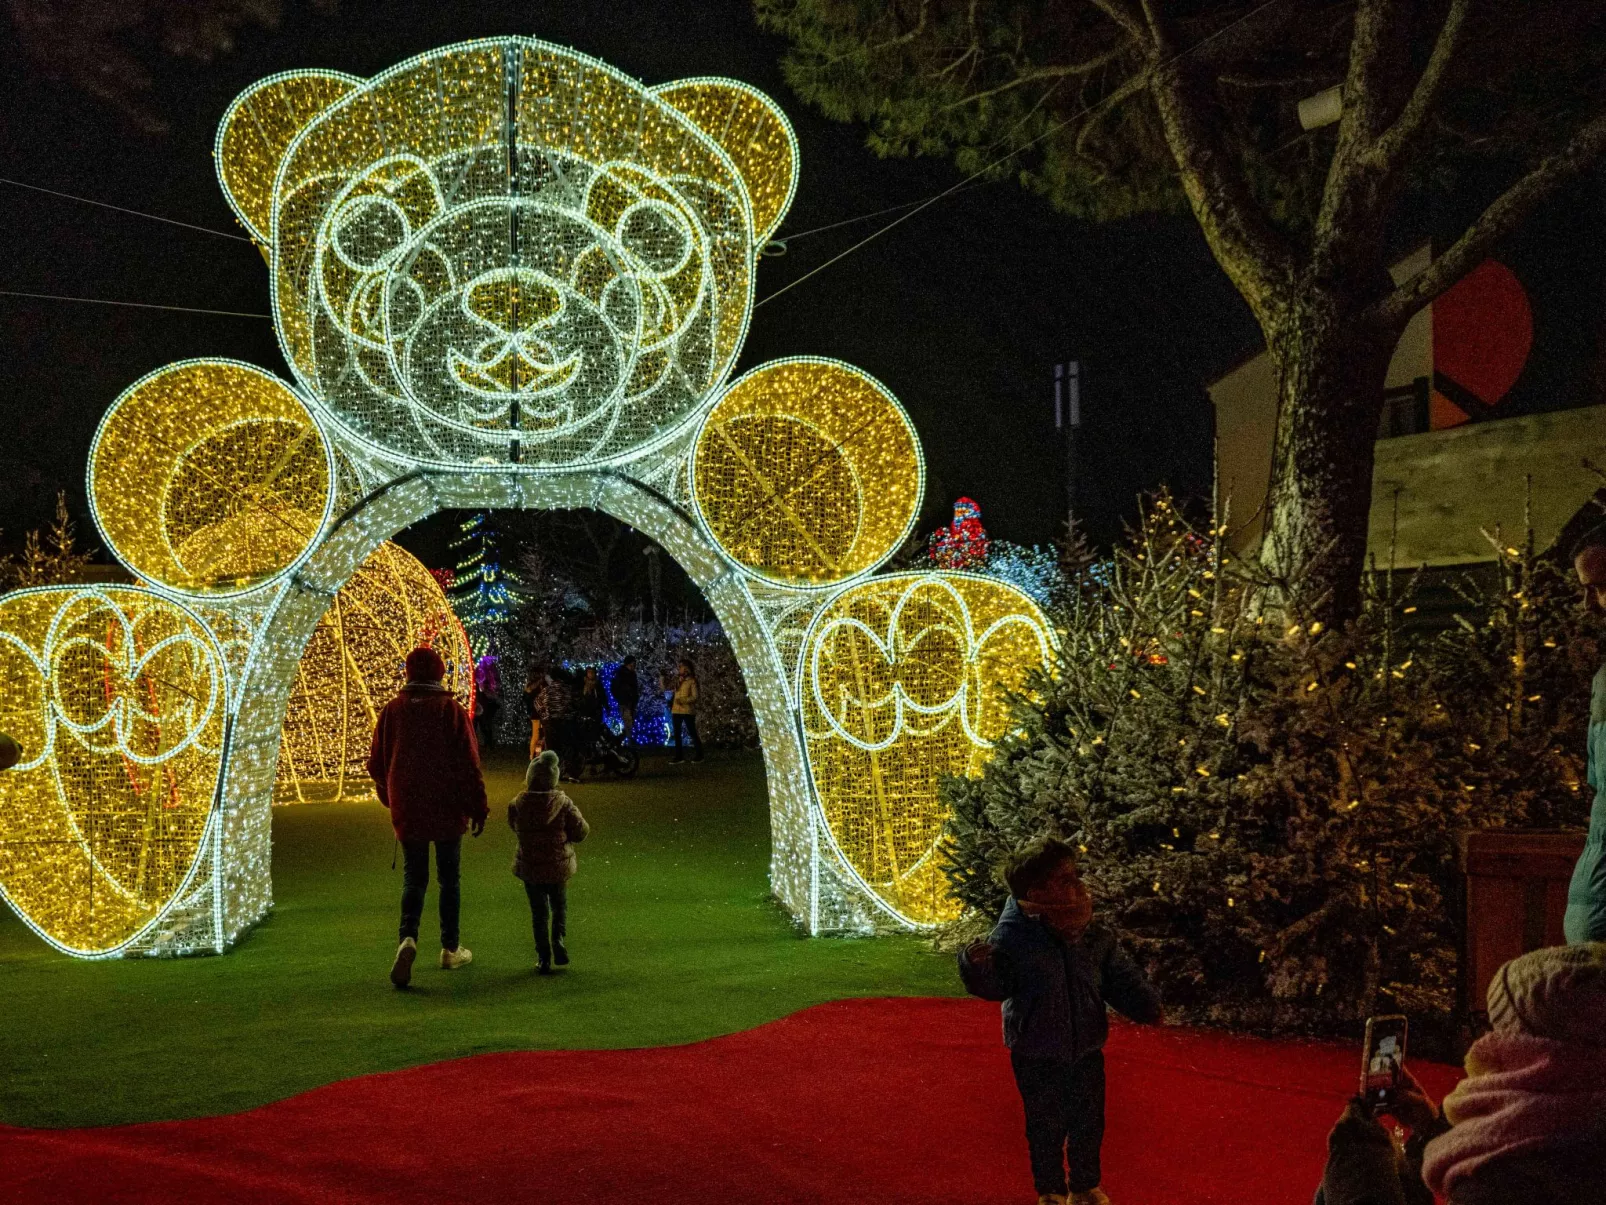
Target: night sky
{"points": [[961, 311]]}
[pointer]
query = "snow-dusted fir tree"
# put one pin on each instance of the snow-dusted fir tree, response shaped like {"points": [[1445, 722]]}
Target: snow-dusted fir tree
{"points": [[1266, 807]]}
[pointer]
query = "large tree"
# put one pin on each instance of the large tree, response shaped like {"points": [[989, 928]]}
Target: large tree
{"points": [[1114, 107]]}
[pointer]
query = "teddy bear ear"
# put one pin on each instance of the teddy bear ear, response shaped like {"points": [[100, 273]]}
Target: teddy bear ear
{"points": [[753, 131], [257, 130]]}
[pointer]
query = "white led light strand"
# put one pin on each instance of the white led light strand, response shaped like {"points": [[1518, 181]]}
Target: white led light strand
{"points": [[504, 275]]}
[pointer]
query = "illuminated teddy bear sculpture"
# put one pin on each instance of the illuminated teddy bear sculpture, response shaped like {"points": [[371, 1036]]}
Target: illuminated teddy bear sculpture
{"points": [[503, 275]]}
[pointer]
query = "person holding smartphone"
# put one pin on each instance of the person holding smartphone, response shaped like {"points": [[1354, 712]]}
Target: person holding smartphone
{"points": [[1528, 1124]]}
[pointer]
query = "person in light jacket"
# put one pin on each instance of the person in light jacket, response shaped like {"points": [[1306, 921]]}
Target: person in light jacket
{"points": [[683, 710], [549, 826], [1585, 919]]}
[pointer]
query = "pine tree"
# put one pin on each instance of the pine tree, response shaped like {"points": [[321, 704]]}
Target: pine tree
{"points": [[48, 557], [1267, 807]]}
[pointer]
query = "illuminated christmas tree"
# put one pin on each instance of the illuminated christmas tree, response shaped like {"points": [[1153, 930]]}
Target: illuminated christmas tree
{"points": [[484, 592]]}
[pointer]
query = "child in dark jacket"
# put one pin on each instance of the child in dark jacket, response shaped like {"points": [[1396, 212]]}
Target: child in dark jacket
{"points": [[549, 826], [1055, 970]]}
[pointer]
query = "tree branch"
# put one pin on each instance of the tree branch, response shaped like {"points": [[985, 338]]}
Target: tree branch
{"points": [[1253, 253], [1507, 211], [1130, 88], [1394, 142], [1122, 15], [1357, 191], [1042, 73], [1247, 36]]}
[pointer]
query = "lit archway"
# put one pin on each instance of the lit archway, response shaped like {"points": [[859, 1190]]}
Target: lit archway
{"points": [[504, 276]]}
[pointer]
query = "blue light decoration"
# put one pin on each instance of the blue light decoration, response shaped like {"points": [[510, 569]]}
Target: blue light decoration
{"points": [[484, 593]]}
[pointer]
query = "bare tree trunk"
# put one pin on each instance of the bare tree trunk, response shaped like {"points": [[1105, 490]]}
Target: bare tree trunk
{"points": [[1331, 367]]}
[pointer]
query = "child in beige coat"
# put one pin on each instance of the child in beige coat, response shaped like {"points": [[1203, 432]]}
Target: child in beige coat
{"points": [[549, 826]]}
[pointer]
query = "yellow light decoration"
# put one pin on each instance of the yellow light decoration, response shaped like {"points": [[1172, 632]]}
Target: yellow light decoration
{"points": [[117, 697], [753, 131], [259, 127], [209, 477], [504, 274], [353, 666], [505, 249], [906, 680], [807, 472]]}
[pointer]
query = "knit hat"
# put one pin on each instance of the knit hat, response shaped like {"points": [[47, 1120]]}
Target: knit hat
{"points": [[1558, 992], [543, 772], [425, 665]]}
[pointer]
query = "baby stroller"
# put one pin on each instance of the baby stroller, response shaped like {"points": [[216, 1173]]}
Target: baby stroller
{"points": [[603, 752]]}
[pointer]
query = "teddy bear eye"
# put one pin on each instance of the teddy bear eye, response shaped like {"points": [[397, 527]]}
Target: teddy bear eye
{"points": [[657, 235], [369, 230]]}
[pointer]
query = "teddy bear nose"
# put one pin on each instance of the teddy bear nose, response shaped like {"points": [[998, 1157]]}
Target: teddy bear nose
{"points": [[515, 303]]}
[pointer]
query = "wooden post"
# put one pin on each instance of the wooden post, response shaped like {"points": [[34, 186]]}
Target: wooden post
{"points": [[1516, 893]]}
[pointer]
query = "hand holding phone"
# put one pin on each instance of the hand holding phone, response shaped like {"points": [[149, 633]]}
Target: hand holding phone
{"points": [[1383, 1062]]}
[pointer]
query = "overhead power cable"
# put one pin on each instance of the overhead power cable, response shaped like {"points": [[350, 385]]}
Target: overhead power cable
{"points": [[138, 213], [981, 171], [138, 305]]}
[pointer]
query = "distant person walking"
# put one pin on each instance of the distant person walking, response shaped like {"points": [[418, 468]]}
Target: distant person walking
{"points": [[549, 826], [626, 689], [561, 726], [536, 685], [426, 770], [591, 706], [487, 700], [1585, 918], [683, 710]]}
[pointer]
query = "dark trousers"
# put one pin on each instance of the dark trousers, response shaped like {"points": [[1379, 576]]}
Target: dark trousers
{"points": [[415, 881], [1064, 1119], [686, 724], [543, 895]]}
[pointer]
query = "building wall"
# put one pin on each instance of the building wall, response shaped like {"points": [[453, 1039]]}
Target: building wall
{"points": [[1433, 492]]}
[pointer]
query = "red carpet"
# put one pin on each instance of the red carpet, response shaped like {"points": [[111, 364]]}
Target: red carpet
{"points": [[865, 1102]]}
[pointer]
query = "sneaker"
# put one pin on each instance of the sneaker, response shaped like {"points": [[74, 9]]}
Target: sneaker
{"points": [[1093, 1196], [560, 953], [543, 967], [452, 959], [401, 971]]}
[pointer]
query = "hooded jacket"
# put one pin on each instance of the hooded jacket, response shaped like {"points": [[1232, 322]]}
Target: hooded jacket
{"points": [[548, 825], [1054, 992], [1528, 1124], [426, 766]]}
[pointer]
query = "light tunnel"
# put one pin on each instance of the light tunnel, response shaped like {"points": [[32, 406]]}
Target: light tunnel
{"points": [[504, 276]]}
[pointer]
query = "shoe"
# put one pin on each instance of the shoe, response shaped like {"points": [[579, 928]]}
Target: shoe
{"points": [[452, 959], [1093, 1196], [560, 953], [543, 967], [675, 761], [401, 971]]}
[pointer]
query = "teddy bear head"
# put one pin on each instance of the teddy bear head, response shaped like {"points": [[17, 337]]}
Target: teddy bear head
{"points": [[506, 252]]}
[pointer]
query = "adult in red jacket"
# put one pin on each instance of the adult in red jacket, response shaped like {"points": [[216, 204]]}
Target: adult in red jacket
{"points": [[426, 770]]}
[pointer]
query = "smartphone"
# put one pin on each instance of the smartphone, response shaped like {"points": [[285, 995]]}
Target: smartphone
{"points": [[1382, 1061]]}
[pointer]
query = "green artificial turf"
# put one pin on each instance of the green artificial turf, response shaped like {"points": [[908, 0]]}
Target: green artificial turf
{"points": [[673, 934]]}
